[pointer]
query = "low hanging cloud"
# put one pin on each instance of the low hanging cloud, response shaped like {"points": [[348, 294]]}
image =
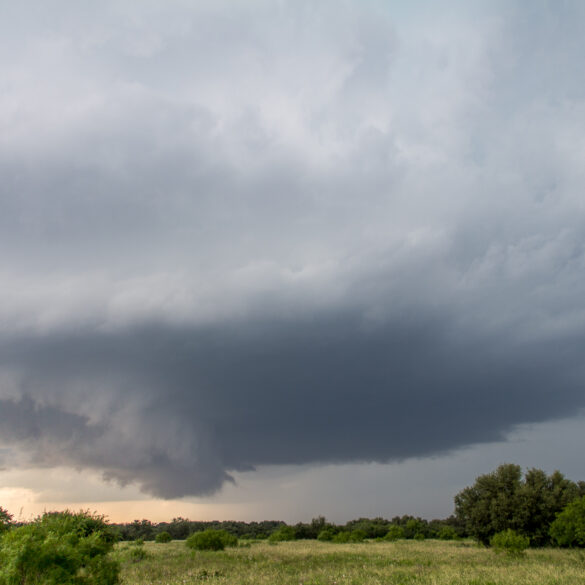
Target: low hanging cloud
{"points": [[337, 234]]}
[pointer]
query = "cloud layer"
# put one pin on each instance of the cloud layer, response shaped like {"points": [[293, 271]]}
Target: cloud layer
{"points": [[280, 233]]}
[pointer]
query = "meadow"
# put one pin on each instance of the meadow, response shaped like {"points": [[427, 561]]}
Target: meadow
{"points": [[310, 562]]}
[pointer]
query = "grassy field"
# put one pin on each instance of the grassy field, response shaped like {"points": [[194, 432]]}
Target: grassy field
{"points": [[315, 563]]}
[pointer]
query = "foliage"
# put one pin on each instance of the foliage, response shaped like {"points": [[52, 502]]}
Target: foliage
{"points": [[211, 540], [284, 533], [59, 548], [394, 533], [357, 535], [180, 528], [372, 528], [163, 537], [5, 520], [503, 500], [415, 528], [569, 527], [510, 542], [344, 536], [447, 533], [326, 535], [311, 530]]}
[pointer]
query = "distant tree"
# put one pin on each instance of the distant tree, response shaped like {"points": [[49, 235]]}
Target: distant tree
{"points": [[415, 528], [326, 535], [282, 534], [5, 520], [447, 533], [569, 527], [395, 532], [445, 529], [342, 536], [373, 528]]}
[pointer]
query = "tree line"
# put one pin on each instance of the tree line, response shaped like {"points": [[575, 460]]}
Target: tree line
{"points": [[182, 528], [545, 509], [505, 508]]}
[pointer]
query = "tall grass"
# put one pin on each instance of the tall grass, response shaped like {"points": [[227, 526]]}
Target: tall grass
{"points": [[372, 563]]}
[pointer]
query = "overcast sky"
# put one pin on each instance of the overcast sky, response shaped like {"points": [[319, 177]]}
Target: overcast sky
{"points": [[287, 258]]}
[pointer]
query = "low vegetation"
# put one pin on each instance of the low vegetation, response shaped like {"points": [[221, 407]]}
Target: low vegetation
{"points": [[510, 542], [311, 562]]}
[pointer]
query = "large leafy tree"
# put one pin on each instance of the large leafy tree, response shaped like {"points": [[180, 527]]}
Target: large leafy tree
{"points": [[504, 500], [487, 507]]}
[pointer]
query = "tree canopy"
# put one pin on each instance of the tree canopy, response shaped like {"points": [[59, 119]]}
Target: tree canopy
{"points": [[504, 499]]}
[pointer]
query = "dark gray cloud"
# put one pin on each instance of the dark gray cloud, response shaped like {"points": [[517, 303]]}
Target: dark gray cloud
{"points": [[260, 234], [181, 407]]}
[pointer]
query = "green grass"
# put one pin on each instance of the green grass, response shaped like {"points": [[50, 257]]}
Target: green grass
{"points": [[372, 563]]}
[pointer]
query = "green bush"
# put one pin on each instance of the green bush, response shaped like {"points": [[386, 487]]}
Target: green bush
{"points": [[59, 548], [357, 535], [342, 537], [162, 537], [326, 535], [284, 533], [569, 527], [447, 533], [510, 542], [228, 538], [395, 532], [211, 540]]}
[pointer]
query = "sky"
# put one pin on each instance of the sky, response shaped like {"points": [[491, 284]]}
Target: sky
{"points": [[273, 259]]}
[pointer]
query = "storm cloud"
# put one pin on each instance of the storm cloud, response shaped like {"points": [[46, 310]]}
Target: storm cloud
{"points": [[247, 234]]}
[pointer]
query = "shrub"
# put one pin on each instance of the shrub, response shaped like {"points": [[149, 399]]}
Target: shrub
{"points": [[326, 535], [282, 534], [415, 528], [510, 542], [228, 538], [569, 527], [342, 536], [395, 532], [347, 536], [162, 537], [357, 535], [211, 540], [59, 548], [447, 533]]}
